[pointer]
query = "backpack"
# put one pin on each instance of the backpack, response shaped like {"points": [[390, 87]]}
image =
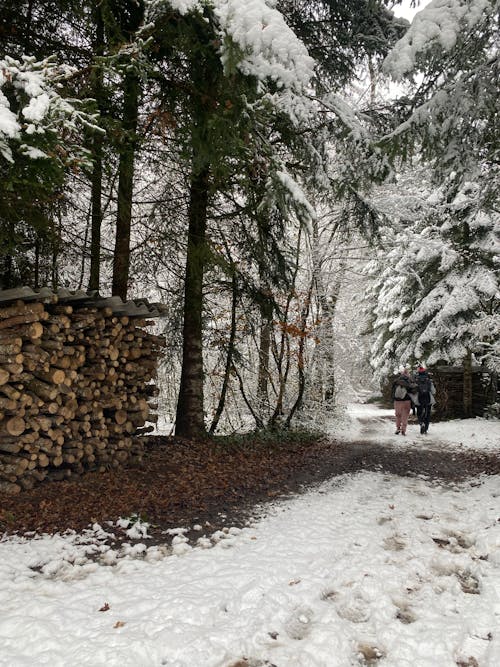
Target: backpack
{"points": [[424, 390], [400, 391]]}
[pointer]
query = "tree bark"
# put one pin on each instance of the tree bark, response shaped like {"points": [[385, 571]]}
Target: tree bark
{"points": [[282, 357], [97, 145], [467, 395], [265, 306], [229, 358], [190, 421], [300, 358], [264, 355], [121, 258]]}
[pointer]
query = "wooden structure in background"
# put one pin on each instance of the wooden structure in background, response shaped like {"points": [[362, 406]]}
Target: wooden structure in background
{"points": [[450, 385], [76, 388]]}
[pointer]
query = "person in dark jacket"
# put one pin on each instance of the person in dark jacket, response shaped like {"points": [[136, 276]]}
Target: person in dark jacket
{"points": [[401, 388], [425, 398]]}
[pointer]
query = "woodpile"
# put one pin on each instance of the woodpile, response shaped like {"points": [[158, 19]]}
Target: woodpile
{"points": [[449, 381], [75, 387]]}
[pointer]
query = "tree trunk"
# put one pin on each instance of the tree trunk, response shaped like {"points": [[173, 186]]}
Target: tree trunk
{"points": [[95, 239], [36, 264], [55, 239], [266, 307], [121, 258], [229, 358], [300, 357], [373, 81], [282, 356], [190, 422], [327, 353], [467, 395], [96, 180], [264, 354]]}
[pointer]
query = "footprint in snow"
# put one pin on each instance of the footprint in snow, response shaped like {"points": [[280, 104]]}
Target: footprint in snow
{"points": [[454, 542], [404, 614], [468, 582], [354, 610], [329, 594], [298, 625], [383, 519], [369, 655], [394, 543], [251, 662]]}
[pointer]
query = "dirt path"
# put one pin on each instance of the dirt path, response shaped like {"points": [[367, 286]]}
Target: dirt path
{"points": [[184, 483]]}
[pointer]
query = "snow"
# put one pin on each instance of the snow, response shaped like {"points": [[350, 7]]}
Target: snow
{"points": [[37, 107], [255, 39], [33, 153], [296, 193], [8, 122], [372, 424], [427, 297], [271, 48], [155, 8], [440, 22], [404, 570]]}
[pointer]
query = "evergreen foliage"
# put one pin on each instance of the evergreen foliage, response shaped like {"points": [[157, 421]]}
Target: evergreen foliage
{"points": [[223, 130], [39, 144], [435, 291], [436, 284]]}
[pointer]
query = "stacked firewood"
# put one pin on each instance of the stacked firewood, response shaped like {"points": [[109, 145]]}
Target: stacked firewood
{"points": [[449, 381], [75, 389]]}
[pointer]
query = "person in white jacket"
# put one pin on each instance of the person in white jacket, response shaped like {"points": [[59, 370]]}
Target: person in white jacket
{"points": [[401, 388]]}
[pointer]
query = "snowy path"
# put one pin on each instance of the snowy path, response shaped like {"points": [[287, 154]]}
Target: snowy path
{"points": [[369, 569], [371, 424]]}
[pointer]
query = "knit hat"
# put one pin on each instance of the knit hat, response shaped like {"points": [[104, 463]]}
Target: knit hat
{"points": [[421, 369]]}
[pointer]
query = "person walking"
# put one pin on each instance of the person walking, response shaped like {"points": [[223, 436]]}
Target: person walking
{"points": [[401, 389], [425, 398]]}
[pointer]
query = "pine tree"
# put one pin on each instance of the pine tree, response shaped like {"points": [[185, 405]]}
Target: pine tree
{"points": [[439, 298], [231, 97], [435, 295], [39, 145], [451, 118]]}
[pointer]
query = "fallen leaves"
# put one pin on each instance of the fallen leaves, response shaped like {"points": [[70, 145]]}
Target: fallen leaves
{"points": [[185, 482]]}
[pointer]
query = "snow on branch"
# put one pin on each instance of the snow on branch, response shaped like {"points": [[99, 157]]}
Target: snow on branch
{"points": [[155, 8], [296, 194], [271, 50], [255, 40], [31, 107], [439, 23]]}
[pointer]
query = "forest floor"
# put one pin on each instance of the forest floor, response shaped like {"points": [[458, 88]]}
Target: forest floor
{"points": [[181, 483]]}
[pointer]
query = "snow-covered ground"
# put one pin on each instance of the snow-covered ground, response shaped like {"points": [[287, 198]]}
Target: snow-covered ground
{"points": [[368, 569], [370, 423]]}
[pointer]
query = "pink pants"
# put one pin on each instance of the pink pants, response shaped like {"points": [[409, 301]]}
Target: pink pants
{"points": [[402, 410]]}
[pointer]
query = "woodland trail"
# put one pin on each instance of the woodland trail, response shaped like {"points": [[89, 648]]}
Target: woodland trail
{"points": [[182, 483]]}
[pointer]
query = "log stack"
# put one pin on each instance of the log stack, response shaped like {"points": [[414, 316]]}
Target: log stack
{"points": [[449, 381], [76, 388]]}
